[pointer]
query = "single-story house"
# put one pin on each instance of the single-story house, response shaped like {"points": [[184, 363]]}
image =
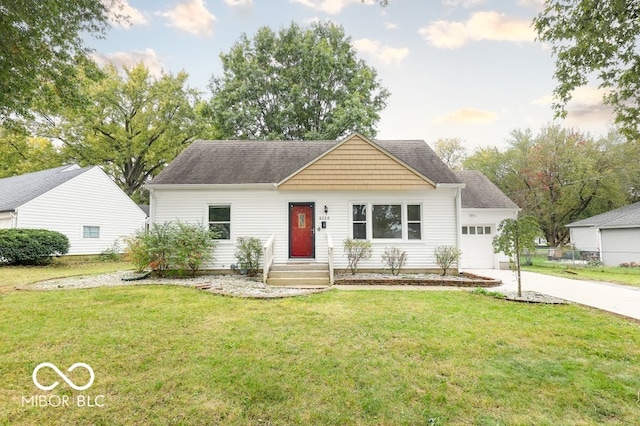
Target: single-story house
{"points": [[615, 235], [82, 203], [304, 198], [484, 206]]}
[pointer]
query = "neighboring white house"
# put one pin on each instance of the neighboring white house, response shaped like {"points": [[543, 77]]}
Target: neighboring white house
{"points": [[303, 197], [614, 234], [82, 203], [484, 206]]}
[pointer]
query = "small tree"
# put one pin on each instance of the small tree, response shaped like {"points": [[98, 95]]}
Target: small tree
{"points": [[356, 250], [513, 238], [446, 256], [248, 253], [394, 258], [193, 246]]}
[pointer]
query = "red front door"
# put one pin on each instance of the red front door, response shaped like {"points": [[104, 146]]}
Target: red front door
{"points": [[301, 232]]}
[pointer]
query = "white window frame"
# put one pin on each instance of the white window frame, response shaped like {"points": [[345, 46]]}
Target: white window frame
{"points": [[404, 218], [82, 233], [473, 230], [230, 222]]}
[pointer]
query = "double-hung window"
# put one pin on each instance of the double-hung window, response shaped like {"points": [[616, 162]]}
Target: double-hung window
{"points": [[359, 221], [220, 221], [386, 221], [90, 231], [414, 222]]}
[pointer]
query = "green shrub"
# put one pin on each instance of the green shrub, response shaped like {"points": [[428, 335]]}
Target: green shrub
{"points": [[356, 250], [136, 250], [112, 254], [193, 246], [446, 256], [248, 254], [394, 258], [159, 242], [171, 246], [31, 246], [485, 292]]}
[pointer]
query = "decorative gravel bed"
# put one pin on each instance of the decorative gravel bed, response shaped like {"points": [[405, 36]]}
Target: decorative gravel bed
{"points": [[230, 285], [534, 297], [241, 286], [462, 280]]}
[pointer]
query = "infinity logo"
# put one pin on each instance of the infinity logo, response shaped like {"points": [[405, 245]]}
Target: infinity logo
{"points": [[65, 378]]}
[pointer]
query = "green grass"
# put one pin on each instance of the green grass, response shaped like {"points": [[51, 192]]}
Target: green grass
{"points": [[616, 275], [12, 276], [173, 355]]}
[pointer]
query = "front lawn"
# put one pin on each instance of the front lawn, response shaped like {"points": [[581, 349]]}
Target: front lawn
{"points": [[612, 274], [173, 355]]}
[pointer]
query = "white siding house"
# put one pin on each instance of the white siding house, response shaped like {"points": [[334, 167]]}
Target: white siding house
{"points": [[82, 203], [484, 206], [615, 235], [303, 195]]}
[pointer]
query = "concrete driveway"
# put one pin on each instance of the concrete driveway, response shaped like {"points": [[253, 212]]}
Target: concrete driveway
{"points": [[623, 300]]}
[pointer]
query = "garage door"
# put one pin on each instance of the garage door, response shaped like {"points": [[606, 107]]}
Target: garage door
{"points": [[477, 250]]}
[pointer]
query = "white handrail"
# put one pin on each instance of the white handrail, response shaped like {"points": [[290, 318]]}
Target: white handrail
{"points": [[330, 248], [268, 257]]}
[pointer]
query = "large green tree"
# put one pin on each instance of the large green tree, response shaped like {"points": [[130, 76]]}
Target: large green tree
{"points": [[558, 176], [21, 154], [130, 123], [297, 83], [451, 151], [596, 38], [40, 43]]}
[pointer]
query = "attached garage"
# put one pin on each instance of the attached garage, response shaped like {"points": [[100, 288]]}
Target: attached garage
{"points": [[474, 242], [484, 206]]}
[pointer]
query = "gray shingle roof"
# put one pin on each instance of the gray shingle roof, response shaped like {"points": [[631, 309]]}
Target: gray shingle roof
{"points": [[623, 217], [481, 193], [238, 162], [18, 190]]}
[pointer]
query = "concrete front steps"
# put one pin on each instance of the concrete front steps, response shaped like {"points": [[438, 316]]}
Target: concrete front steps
{"points": [[299, 275]]}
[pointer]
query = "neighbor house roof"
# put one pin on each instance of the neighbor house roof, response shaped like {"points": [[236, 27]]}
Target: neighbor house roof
{"points": [[245, 162], [623, 217], [18, 190], [481, 193]]}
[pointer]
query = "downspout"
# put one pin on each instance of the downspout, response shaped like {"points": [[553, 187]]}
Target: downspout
{"points": [[14, 219], [152, 208], [458, 222]]}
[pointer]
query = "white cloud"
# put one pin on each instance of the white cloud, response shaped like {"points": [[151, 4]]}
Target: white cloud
{"points": [[468, 116], [586, 107], [492, 26], [129, 59], [192, 17], [390, 26], [384, 53], [122, 8], [240, 4], [332, 7]]}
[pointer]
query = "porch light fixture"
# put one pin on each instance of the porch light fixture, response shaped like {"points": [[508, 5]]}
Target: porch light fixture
{"points": [[326, 209]]}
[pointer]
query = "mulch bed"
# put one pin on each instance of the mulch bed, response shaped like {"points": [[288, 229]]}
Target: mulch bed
{"points": [[463, 280]]}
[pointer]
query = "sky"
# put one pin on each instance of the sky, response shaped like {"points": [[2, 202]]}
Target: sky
{"points": [[468, 69]]}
